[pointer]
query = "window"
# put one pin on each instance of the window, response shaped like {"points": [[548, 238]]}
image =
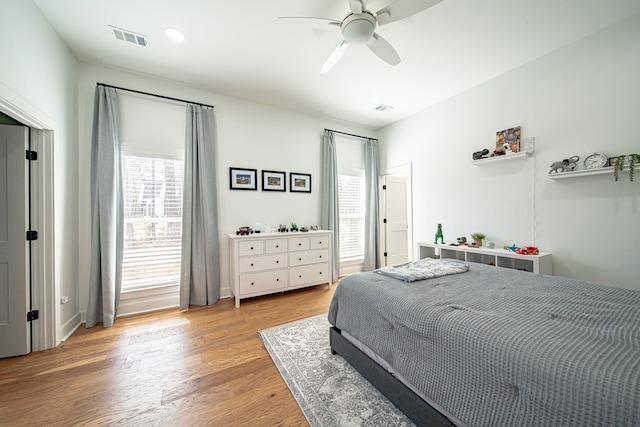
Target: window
{"points": [[351, 216], [153, 222]]}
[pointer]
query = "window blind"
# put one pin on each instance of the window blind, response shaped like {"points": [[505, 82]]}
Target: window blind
{"points": [[351, 217], [153, 221]]}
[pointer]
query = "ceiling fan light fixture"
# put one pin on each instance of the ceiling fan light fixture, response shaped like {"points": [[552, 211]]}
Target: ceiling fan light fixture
{"points": [[358, 29]]}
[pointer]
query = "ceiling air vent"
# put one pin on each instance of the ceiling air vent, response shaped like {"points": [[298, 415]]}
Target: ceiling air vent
{"points": [[383, 107], [129, 36]]}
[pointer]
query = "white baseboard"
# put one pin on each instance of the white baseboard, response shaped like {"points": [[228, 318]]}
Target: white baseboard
{"points": [[70, 327]]}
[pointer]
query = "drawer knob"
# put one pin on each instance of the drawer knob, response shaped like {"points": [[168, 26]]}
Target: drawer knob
{"points": [[277, 280], [251, 264], [277, 246], [320, 241], [299, 259], [251, 283], [277, 261], [300, 276], [299, 244], [320, 256]]}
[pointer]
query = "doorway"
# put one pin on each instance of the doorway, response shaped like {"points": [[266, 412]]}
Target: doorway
{"points": [[395, 214]]}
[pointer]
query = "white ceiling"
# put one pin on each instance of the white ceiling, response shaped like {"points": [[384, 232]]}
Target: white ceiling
{"points": [[239, 48]]}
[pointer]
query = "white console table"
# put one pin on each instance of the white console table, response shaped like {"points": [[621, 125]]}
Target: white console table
{"points": [[540, 263]]}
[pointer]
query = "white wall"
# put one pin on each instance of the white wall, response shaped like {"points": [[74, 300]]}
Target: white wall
{"points": [[38, 76], [250, 135], [577, 100]]}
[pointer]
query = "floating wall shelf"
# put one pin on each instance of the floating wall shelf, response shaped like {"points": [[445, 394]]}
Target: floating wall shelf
{"points": [[506, 157], [585, 172]]}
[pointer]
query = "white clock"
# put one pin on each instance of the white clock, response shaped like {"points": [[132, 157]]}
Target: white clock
{"points": [[596, 160]]}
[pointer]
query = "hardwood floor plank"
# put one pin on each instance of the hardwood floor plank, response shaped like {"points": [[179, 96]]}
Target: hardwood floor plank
{"points": [[204, 366]]}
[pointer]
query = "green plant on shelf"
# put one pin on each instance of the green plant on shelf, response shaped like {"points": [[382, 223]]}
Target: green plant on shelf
{"points": [[619, 165], [478, 236]]}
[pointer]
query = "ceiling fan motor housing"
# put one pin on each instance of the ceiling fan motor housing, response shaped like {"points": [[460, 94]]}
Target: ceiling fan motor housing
{"points": [[358, 28]]}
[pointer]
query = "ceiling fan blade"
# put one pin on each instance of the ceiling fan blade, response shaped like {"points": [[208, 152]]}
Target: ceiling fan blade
{"points": [[356, 6], [383, 49], [403, 9], [310, 22], [335, 56]]}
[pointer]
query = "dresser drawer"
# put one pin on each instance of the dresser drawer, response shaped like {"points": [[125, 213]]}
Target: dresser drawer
{"points": [[251, 247], [262, 282], [266, 262], [313, 273], [276, 246], [319, 242], [308, 257], [299, 244]]}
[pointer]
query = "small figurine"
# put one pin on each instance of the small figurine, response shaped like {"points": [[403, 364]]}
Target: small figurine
{"points": [[244, 231], [304, 229], [294, 227], [439, 234], [511, 248], [565, 165], [462, 241], [314, 228], [482, 154], [282, 229]]}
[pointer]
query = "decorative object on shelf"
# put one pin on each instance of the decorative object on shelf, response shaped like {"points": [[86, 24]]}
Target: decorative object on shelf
{"points": [[565, 165], [511, 137], [478, 238], [482, 154], [527, 250], [257, 227], [462, 241], [439, 234], [299, 182], [243, 179], [314, 228], [490, 245], [304, 229], [294, 226], [623, 160], [244, 231], [595, 160], [274, 181], [511, 248], [282, 229]]}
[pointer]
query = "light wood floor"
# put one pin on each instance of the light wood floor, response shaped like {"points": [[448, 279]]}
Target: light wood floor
{"points": [[205, 366]]}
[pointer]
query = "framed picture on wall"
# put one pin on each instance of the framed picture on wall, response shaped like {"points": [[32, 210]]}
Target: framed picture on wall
{"points": [[274, 181], [299, 182], [243, 179]]}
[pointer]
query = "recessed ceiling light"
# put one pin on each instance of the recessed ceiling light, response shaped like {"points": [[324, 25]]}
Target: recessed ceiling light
{"points": [[175, 34]]}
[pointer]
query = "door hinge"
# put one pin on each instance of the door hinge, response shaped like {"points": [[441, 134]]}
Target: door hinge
{"points": [[385, 254], [384, 187], [32, 315], [384, 221], [32, 235], [32, 155]]}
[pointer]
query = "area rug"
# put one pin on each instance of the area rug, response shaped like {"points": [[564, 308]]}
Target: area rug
{"points": [[329, 391]]}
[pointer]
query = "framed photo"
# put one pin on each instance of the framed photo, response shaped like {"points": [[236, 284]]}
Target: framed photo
{"points": [[274, 181], [508, 140], [243, 179], [299, 182]]}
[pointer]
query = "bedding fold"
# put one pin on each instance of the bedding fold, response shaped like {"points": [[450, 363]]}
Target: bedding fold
{"points": [[427, 268]]}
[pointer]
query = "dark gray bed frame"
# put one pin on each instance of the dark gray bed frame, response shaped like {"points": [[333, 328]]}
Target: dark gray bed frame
{"points": [[415, 408]]}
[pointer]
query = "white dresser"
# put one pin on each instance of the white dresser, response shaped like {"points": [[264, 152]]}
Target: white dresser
{"points": [[266, 263]]}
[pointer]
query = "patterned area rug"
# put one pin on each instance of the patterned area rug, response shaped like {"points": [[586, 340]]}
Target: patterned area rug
{"points": [[329, 391]]}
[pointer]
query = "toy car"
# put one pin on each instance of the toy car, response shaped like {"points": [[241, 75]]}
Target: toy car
{"points": [[527, 250]]}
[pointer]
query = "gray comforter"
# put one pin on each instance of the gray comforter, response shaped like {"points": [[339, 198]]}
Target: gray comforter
{"points": [[500, 347]]}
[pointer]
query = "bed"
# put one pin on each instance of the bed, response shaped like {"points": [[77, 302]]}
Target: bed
{"points": [[494, 347]]}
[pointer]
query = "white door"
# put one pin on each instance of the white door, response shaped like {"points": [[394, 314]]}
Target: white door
{"points": [[395, 223], [15, 332]]}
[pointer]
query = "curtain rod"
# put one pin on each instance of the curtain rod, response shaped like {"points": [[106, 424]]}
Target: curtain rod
{"points": [[153, 94], [350, 134]]}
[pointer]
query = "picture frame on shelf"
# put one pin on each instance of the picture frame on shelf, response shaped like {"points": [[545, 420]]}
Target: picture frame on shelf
{"points": [[299, 182], [508, 138], [243, 179], [274, 181]]}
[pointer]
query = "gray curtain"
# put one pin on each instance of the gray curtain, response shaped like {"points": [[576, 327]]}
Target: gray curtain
{"points": [[329, 209], [107, 216], [371, 216], [200, 271]]}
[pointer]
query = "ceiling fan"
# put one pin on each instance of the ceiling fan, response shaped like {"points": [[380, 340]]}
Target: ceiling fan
{"points": [[359, 27]]}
